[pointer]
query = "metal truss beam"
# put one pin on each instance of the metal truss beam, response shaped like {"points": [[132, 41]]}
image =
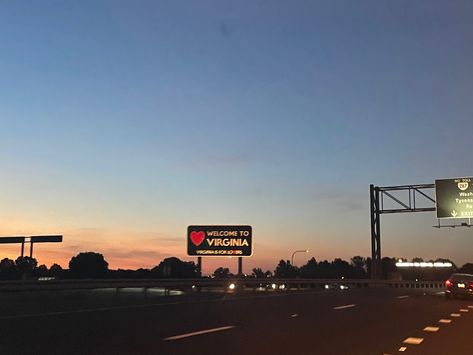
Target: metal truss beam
{"points": [[409, 203]]}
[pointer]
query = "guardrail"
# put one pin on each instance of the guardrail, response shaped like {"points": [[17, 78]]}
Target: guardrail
{"points": [[215, 284]]}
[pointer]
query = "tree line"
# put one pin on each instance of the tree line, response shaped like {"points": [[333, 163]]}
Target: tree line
{"points": [[94, 265]]}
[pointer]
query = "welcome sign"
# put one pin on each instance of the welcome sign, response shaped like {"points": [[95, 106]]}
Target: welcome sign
{"points": [[219, 241]]}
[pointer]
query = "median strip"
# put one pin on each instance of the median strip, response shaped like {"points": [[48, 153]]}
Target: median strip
{"points": [[345, 306], [200, 332]]}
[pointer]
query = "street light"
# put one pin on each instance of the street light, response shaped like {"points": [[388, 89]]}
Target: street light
{"points": [[297, 251]]}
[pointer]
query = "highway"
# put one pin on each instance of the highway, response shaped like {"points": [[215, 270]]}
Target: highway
{"points": [[355, 321]]}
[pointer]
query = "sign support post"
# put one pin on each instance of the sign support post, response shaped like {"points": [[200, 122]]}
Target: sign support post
{"points": [[240, 266]]}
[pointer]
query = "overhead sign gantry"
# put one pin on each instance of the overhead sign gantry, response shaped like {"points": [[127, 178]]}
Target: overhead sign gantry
{"points": [[453, 200]]}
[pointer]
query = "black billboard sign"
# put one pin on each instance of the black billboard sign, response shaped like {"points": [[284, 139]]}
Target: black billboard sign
{"points": [[454, 198], [219, 241], [46, 239]]}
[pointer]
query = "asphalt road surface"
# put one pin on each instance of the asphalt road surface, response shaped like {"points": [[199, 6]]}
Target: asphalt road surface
{"points": [[355, 321]]}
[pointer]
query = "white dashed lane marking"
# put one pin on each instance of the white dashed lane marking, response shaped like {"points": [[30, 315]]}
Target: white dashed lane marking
{"points": [[413, 341], [464, 310], [431, 329], [294, 315], [345, 306], [401, 297], [456, 315], [445, 321], [200, 332], [403, 348]]}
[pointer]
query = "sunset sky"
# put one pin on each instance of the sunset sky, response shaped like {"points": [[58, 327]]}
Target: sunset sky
{"points": [[123, 122]]}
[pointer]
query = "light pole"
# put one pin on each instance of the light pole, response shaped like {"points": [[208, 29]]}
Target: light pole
{"points": [[297, 251]]}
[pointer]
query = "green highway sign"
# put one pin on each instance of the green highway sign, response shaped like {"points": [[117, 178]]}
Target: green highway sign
{"points": [[454, 197]]}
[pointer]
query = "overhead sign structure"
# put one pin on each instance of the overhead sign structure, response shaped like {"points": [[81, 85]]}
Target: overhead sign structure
{"points": [[219, 241], [454, 197]]}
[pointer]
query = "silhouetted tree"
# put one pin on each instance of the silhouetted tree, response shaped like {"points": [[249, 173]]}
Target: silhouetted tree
{"points": [[175, 268], [56, 271], [310, 270], [285, 270], [341, 268], [388, 266], [222, 273], [466, 269], [8, 269], [25, 266], [88, 265], [359, 267], [258, 273], [41, 271]]}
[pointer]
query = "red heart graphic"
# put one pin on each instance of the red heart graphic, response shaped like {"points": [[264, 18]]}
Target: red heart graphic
{"points": [[197, 238]]}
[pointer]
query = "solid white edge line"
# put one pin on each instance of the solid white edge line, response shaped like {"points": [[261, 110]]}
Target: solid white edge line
{"points": [[200, 332], [345, 306]]}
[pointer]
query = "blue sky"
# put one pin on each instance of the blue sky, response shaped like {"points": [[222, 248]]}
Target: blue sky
{"points": [[124, 122]]}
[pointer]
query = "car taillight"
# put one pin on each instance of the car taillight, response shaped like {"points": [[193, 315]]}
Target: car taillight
{"points": [[448, 283]]}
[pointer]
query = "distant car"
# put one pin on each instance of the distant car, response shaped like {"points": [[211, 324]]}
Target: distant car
{"points": [[459, 285]]}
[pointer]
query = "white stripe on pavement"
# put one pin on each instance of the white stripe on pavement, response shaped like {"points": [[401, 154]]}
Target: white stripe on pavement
{"points": [[401, 297], [431, 329], [414, 341], [445, 321], [455, 315], [464, 310], [200, 332], [345, 306], [402, 348]]}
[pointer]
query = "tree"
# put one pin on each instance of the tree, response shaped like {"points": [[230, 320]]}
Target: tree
{"points": [[258, 273], [359, 267], [25, 266], [467, 268], [341, 268], [56, 270], [8, 269], [285, 270], [175, 268], [310, 270], [41, 271], [388, 266], [88, 265], [222, 273]]}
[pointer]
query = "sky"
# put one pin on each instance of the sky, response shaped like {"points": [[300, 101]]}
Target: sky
{"points": [[123, 122]]}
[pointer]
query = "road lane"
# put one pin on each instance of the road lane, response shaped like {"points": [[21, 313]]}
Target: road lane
{"points": [[262, 324]]}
